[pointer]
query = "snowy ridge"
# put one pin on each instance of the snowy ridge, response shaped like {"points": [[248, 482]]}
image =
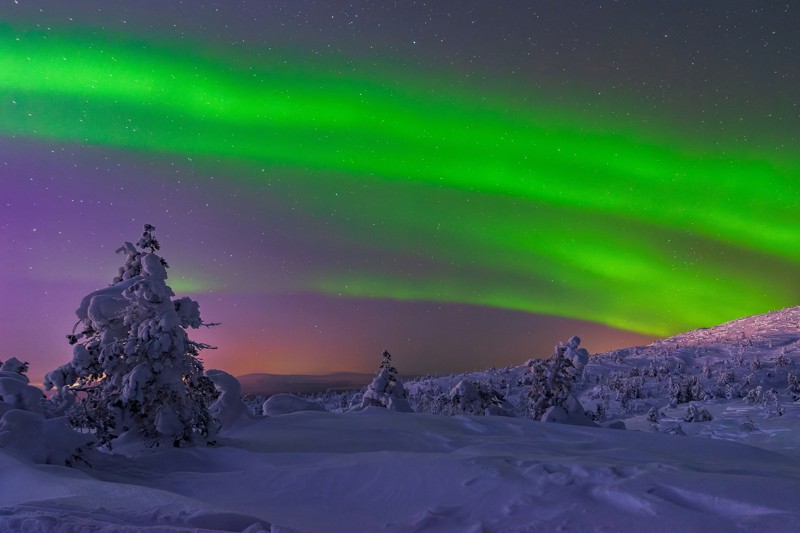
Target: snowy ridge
{"points": [[757, 328]]}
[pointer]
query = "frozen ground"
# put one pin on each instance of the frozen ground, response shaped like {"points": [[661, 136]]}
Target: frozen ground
{"points": [[386, 471], [379, 470]]}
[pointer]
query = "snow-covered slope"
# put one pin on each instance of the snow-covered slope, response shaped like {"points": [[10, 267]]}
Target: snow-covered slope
{"points": [[386, 471], [711, 445], [776, 325]]}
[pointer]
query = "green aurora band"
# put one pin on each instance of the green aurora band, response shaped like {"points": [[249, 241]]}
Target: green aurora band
{"points": [[478, 198]]}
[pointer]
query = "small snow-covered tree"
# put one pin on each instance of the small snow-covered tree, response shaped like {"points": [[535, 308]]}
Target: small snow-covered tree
{"points": [[133, 365], [476, 398], [755, 396], [684, 390], [695, 413], [552, 379], [794, 386], [386, 390], [783, 359]]}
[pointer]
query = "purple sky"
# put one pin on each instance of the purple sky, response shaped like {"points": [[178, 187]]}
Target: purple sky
{"points": [[249, 239]]}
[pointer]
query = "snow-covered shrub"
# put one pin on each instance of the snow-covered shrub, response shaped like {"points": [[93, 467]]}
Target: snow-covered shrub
{"points": [[600, 413], [783, 359], [684, 390], [794, 386], [697, 414], [726, 377], [27, 427], [755, 396], [284, 404], [429, 397], [386, 390], [724, 384], [134, 368], [772, 403], [15, 389], [732, 390], [626, 388], [477, 398]]}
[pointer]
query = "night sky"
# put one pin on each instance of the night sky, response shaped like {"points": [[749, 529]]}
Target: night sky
{"points": [[462, 182]]}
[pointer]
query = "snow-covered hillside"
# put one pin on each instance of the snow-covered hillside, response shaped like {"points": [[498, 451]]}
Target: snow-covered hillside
{"points": [[758, 329], [711, 445], [749, 365]]}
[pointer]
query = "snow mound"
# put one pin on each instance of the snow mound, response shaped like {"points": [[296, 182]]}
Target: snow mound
{"points": [[284, 404], [229, 407]]}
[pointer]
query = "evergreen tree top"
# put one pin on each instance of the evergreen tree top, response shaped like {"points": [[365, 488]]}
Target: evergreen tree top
{"points": [[148, 240]]}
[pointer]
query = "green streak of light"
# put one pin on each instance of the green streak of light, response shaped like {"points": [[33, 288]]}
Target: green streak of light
{"points": [[386, 131]]}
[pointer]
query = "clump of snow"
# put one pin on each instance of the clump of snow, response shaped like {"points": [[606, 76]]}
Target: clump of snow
{"points": [[570, 412], [27, 429], [579, 357], [284, 404], [17, 393], [228, 408]]}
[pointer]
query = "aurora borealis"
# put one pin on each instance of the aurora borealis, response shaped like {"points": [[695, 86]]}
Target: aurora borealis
{"points": [[325, 204]]}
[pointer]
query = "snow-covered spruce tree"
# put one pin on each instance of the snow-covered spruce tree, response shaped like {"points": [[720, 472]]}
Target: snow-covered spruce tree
{"points": [[134, 368], [552, 380], [386, 390]]}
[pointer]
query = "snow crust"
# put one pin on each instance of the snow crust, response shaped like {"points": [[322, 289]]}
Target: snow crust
{"points": [[390, 471]]}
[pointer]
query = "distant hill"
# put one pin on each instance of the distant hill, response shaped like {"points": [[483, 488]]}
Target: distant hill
{"points": [[768, 328], [269, 384]]}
